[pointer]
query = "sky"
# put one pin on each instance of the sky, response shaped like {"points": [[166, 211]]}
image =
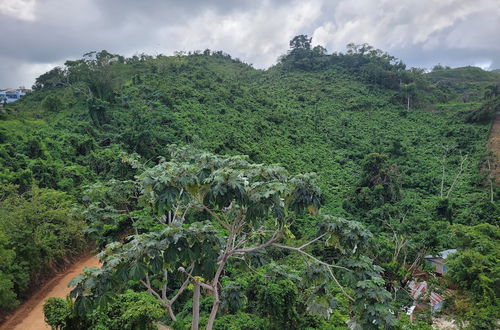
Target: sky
{"points": [[38, 35]]}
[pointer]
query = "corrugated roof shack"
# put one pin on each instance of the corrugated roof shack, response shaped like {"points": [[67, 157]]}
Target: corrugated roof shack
{"points": [[419, 290], [438, 262]]}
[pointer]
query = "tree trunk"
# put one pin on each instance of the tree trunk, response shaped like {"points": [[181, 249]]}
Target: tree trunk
{"points": [[213, 314], [196, 307], [215, 285], [171, 312]]}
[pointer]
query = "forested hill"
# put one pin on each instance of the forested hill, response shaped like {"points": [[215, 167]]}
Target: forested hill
{"points": [[402, 151]]}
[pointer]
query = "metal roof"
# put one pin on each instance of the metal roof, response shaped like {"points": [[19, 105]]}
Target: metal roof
{"points": [[443, 254]]}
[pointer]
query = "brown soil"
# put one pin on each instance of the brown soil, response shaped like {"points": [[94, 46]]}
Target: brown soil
{"points": [[495, 148], [29, 316]]}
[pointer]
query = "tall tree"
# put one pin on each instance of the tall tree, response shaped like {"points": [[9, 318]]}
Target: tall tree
{"points": [[213, 209], [302, 42]]}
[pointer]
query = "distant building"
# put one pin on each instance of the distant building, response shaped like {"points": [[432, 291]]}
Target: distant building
{"points": [[11, 95], [438, 262]]}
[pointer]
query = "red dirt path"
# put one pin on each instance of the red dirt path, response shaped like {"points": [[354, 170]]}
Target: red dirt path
{"points": [[495, 147], [29, 316]]}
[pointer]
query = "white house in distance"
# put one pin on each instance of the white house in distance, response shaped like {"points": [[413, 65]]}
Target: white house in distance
{"points": [[438, 261], [11, 95]]}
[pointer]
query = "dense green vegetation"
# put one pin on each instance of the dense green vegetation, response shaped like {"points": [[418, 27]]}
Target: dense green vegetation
{"points": [[39, 233], [465, 84], [476, 270], [397, 152]]}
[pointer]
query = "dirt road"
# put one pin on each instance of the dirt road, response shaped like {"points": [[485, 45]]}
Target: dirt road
{"points": [[29, 316]]}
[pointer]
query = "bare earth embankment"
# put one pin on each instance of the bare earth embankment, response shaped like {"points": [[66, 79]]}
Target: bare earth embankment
{"points": [[495, 147], [29, 316]]}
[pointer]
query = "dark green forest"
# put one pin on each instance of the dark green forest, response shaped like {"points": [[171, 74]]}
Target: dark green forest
{"points": [[302, 196]]}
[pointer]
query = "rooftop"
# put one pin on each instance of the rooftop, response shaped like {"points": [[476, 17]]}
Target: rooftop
{"points": [[443, 254]]}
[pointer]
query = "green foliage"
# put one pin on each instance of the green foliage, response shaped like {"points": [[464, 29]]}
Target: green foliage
{"points": [[8, 297], [51, 79], [475, 269], [312, 112], [293, 300], [372, 299], [39, 231], [170, 248], [463, 84], [276, 302], [52, 103], [129, 310], [369, 64], [404, 323], [245, 202], [59, 314], [379, 183], [106, 210], [486, 111], [233, 297], [241, 321], [98, 111]]}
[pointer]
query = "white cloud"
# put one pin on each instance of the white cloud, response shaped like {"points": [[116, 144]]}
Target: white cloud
{"points": [[259, 35], [395, 24], [483, 65], [27, 71], [20, 73], [420, 32], [20, 9]]}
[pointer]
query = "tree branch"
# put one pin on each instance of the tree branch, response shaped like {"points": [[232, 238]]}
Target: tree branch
{"points": [[310, 242], [309, 256], [249, 236], [151, 290], [273, 239], [457, 176], [179, 292], [328, 266], [217, 218], [178, 205], [192, 278]]}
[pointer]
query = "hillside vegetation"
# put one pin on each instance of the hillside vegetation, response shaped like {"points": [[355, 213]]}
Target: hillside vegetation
{"points": [[91, 157], [467, 84]]}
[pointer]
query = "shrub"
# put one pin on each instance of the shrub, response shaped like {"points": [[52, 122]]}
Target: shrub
{"points": [[52, 103]]}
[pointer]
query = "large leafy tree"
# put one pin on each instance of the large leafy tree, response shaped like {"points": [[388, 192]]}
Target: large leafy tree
{"points": [[475, 269], [214, 208]]}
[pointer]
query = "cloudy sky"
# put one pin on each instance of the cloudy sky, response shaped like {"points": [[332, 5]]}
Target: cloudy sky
{"points": [[40, 34]]}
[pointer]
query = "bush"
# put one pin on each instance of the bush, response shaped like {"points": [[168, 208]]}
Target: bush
{"points": [[130, 310], [39, 231], [58, 313], [241, 321], [52, 103]]}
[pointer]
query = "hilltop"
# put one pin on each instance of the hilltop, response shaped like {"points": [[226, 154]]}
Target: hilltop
{"points": [[467, 83]]}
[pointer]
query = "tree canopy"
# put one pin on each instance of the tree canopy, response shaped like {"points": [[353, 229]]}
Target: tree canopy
{"points": [[214, 209]]}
